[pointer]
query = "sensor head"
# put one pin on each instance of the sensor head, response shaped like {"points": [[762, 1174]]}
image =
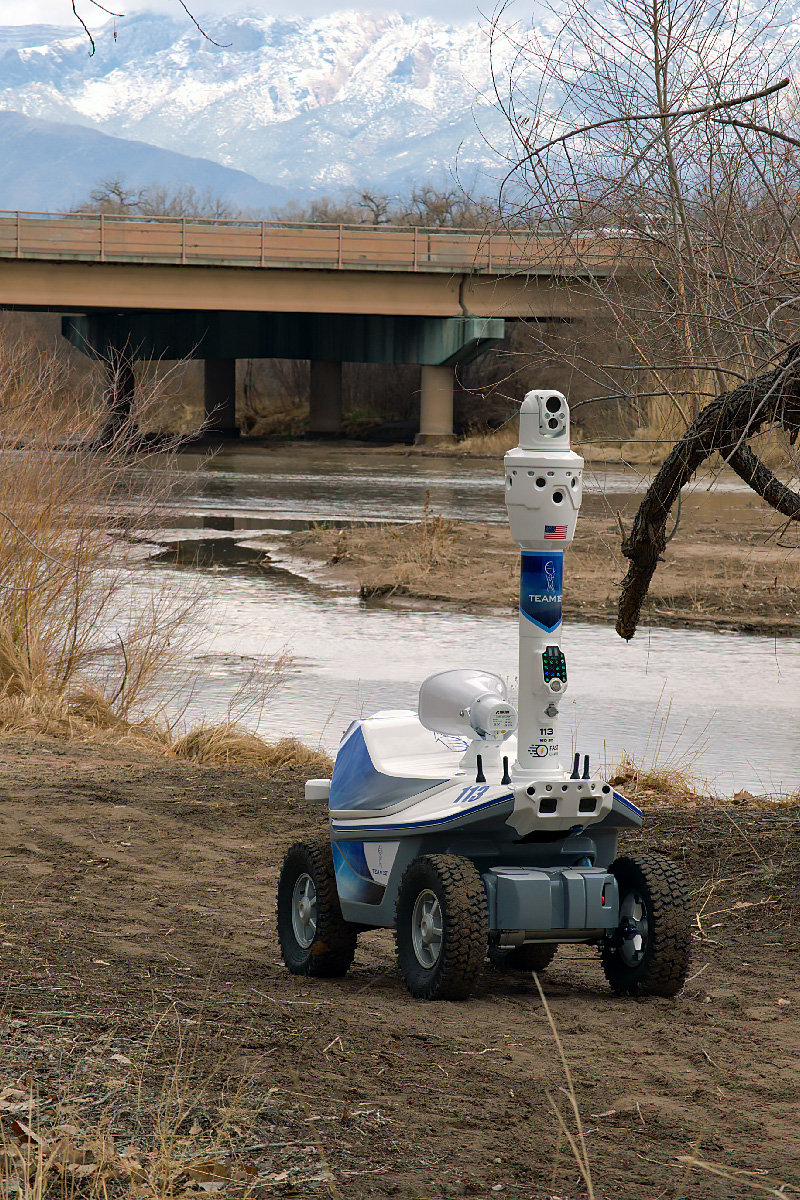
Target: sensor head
{"points": [[544, 421]]}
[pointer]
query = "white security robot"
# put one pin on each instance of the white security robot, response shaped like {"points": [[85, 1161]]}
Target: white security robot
{"points": [[459, 827]]}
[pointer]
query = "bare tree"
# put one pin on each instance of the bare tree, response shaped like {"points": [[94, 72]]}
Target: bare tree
{"points": [[652, 147], [114, 196], [443, 207], [424, 205]]}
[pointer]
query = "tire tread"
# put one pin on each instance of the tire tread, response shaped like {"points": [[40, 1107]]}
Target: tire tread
{"points": [[466, 931], [528, 957], [333, 949], [667, 964]]}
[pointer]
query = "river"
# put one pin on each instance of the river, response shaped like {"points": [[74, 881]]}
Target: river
{"points": [[722, 705]]}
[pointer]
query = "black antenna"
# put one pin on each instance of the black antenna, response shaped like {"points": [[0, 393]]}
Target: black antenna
{"points": [[480, 777], [506, 777], [576, 768]]}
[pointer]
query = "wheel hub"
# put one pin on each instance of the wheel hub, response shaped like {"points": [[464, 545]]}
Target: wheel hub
{"points": [[304, 910], [634, 929], [427, 929]]}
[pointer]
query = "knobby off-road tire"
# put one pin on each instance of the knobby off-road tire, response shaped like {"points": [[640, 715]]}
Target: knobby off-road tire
{"points": [[648, 953], [314, 937], [441, 927], [529, 957]]}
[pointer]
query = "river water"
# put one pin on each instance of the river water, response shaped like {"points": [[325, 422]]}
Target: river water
{"points": [[301, 484], [722, 705]]}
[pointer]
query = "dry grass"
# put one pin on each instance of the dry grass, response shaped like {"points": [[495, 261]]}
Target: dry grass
{"points": [[86, 637], [478, 443], [406, 554], [287, 418], [134, 1131], [671, 783], [231, 743], [84, 715], [664, 771], [228, 744], [69, 506]]}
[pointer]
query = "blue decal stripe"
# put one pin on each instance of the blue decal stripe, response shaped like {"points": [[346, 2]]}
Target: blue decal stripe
{"points": [[356, 783], [538, 624], [353, 855], [456, 816], [351, 883], [629, 803]]}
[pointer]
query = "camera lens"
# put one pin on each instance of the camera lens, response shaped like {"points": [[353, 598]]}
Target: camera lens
{"points": [[558, 497], [553, 423], [553, 404]]}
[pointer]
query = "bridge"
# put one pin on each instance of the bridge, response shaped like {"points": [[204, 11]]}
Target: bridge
{"points": [[176, 287]]}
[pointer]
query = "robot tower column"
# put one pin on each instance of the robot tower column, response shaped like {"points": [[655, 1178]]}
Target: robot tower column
{"points": [[543, 496]]}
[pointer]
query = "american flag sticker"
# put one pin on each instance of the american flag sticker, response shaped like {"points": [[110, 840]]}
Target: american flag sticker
{"points": [[555, 533]]}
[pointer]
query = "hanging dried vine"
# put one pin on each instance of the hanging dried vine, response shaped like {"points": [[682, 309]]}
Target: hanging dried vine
{"points": [[724, 426]]}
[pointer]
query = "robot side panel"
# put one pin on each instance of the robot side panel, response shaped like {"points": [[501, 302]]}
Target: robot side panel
{"points": [[359, 783]]}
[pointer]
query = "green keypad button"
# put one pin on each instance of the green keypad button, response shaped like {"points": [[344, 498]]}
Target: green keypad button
{"points": [[554, 664]]}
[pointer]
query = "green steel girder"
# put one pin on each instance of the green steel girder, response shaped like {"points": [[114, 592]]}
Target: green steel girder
{"points": [[370, 338]]}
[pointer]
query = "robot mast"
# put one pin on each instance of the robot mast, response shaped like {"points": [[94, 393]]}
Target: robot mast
{"points": [[543, 496]]}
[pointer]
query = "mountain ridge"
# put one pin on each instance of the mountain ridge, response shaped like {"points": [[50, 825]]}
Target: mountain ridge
{"points": [[326, 103], [50, 165]]}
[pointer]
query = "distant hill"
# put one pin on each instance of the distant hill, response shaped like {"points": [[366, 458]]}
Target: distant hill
{"points": [[347, 99], [52, 165]]}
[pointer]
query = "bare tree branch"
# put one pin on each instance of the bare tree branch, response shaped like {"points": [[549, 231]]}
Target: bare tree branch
{"points": [[221, 45], [85, 29], [767, 130], [691, 210], [721, 426], [679, 114], [112, 13]]}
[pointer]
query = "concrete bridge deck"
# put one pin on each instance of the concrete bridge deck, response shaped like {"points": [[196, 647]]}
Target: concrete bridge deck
{"points": [[86, 262], [237, 243]]}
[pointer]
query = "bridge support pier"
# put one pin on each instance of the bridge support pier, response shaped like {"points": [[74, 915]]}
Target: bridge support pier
{"points": [[325, 399], [436, 405], [119, 392], [219, 380]]}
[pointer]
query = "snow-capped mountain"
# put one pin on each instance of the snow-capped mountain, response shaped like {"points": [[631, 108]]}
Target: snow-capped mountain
{"points": [[327, 103]]}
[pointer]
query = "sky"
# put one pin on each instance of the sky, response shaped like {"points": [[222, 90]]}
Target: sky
{"points": [[59, 12]]}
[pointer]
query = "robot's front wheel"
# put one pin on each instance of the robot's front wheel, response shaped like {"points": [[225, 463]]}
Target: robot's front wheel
{"points": [[648, 953], [441, 927], [314, 937]]}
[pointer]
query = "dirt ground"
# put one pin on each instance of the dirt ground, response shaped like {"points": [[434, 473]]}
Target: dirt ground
{"points": [[736, 569], [154, 1043]]}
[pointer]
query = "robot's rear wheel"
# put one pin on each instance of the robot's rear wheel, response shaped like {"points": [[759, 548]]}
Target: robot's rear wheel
{"points": [[648, 953], [530, 957], [441, 927], [314, 937]]}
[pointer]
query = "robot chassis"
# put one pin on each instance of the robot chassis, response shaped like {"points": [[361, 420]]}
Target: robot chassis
{"points": [[432, 833]]}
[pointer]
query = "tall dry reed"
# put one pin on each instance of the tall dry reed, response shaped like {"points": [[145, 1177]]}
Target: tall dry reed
{"points": [[73, 632]]}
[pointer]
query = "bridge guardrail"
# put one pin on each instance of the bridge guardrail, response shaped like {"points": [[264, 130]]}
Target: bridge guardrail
{"points": [[99, 237]]}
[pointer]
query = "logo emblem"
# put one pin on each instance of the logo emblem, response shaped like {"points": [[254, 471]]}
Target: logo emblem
{"points": [[550, 574]]}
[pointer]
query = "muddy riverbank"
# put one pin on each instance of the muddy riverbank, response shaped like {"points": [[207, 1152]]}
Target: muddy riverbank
{"points": [[153, 1039], [736, 572]]}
